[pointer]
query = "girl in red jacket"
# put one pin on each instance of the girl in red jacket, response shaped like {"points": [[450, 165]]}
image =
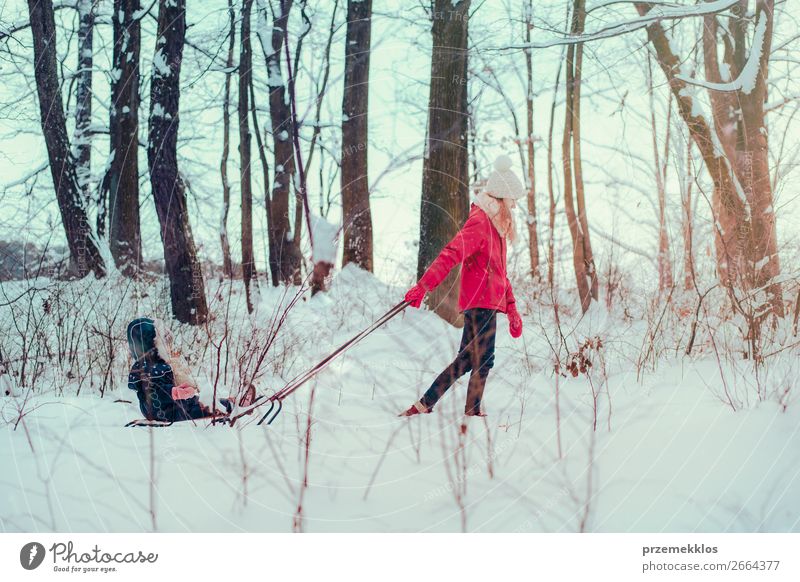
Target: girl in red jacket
{"points": [[480, 249]]}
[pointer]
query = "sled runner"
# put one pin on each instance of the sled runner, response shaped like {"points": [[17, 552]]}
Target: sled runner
{"points": [[151, 423], [246, 400], [262, 399]]}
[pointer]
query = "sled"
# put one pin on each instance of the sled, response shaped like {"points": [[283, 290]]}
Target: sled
{"points": [[275, 401]]}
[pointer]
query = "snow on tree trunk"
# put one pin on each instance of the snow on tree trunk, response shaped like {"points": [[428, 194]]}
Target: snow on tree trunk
{"points": [[445, 170], [284, 255], [84, 253], [326, 242], [82, 140], [762, 268], [245, 75], [121, 182], [169, 191], [355, 107]]}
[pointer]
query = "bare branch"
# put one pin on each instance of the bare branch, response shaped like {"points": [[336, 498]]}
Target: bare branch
{"points": [[656, 14]]}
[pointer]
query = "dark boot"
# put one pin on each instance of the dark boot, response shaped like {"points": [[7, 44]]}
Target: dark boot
{"points": [[477, 382], [417, 408]]}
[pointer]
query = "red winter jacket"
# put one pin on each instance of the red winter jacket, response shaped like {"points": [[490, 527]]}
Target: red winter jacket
{"points": [[481, 251]]}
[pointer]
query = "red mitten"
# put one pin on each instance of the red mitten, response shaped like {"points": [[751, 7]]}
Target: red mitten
{"points": [[183, 392], [514, 321], [415, 295]]}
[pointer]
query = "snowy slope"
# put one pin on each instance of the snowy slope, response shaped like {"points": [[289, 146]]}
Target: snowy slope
{"points": [[668, 453]]}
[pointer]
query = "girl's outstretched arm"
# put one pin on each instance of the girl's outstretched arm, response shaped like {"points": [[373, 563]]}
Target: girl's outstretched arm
{"points": [[464, 244]]}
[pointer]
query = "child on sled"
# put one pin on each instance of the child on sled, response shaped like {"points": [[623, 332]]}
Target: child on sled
{"points": [[160, 377]]}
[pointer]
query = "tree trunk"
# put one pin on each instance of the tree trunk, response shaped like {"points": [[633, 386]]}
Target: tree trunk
{"points": [[551, 222], [445, 170], [688, 222], [84, 253], [752, 165], [262, 152], [284, 255], [169, 191], [355, 106], [533, 235], [82, 140], [121, 182], [580, 197], [663, 262], [245, 183], [227, 262], [302, 206], [723, 105], [582, 260]]}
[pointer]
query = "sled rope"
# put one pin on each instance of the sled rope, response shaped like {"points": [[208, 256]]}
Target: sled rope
{"points": [[299, 380], [310, 373]]}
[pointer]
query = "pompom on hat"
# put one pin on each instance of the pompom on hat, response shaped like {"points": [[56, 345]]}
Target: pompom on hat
{"points": [[503, 182]]}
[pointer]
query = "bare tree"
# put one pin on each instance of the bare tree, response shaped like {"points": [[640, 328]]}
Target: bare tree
{"points": [[663, 261], [121, 182], [169, 191], [322, 86], [355, 108], [533, 235], [227, 263], [551, 195], [245, 80], [582, 256], [445, 170], [262, 152], [84, 253], [745, 234], [299, 180], [688, 221]]}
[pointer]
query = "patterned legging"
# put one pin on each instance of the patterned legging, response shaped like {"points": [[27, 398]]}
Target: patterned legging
{"points": [[476, 355]]}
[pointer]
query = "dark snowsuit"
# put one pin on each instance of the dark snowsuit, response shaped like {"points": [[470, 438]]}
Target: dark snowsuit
{"points": [[476, 355], [152, 379]]}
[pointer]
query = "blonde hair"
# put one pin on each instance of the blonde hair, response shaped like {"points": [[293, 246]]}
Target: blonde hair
{"points": [[506, 220], [499, 212], [166, 349]]}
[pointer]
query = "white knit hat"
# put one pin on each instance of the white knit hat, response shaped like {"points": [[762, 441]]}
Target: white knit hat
{"points": [[503, 182]]}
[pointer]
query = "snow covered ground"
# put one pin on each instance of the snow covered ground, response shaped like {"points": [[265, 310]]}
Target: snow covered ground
{"points": [[671, 452]]}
